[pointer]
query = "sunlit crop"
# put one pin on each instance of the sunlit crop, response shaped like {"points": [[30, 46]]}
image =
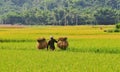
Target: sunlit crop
{"points": [[90, 49]]}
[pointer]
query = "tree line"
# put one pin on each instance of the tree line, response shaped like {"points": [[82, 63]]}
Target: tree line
{"points": [[59, 12]]}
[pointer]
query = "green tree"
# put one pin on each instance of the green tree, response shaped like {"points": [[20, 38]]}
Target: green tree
{"points": [[106, 16]]}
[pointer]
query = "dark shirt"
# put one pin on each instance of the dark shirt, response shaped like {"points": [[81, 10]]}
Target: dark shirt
{"points": [[51, 43]]}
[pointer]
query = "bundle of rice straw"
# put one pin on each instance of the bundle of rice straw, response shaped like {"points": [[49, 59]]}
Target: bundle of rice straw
{"points": [[62, 43]]}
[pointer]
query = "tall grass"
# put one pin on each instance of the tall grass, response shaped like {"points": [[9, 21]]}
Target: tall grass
{"points": [[90, 50], [42, 61], [72, 32]]}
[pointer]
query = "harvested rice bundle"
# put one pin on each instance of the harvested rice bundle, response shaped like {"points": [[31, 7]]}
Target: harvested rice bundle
{"points": [[62, 43], [41, 43]]}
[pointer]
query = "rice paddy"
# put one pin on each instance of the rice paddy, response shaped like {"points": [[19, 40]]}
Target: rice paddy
{"points": [[90, 49]]}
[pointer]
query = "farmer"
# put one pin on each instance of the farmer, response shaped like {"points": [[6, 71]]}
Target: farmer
{"points": [[51, 43]]}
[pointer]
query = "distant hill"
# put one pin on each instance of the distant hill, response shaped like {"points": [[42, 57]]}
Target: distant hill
{"points": [[59, 12]]}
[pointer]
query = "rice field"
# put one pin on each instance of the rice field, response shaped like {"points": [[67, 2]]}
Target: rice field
{"points": [[90, 49]]}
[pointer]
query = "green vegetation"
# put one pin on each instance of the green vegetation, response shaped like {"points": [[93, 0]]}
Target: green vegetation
{"points": [[118, 26], [116, 29], [90, 49], [59, 12]]}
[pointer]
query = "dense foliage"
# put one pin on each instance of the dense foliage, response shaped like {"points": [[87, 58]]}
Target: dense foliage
{"points": [[118, 26], [59, 12]]}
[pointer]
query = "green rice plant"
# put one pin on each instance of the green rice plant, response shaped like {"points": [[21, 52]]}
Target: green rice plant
{"points": [[62, 61], [90, 50]]}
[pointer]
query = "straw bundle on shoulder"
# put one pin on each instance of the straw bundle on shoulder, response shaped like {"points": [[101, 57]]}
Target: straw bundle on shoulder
{"points": [[41, 43], [62, 43]]}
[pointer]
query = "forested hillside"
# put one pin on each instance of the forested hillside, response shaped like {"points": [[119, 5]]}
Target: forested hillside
{"points": [[59, 12]]}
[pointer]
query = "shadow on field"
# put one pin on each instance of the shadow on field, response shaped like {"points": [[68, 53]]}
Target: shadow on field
{"points": [[111, 51], [25, 49], [7, 40]]}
